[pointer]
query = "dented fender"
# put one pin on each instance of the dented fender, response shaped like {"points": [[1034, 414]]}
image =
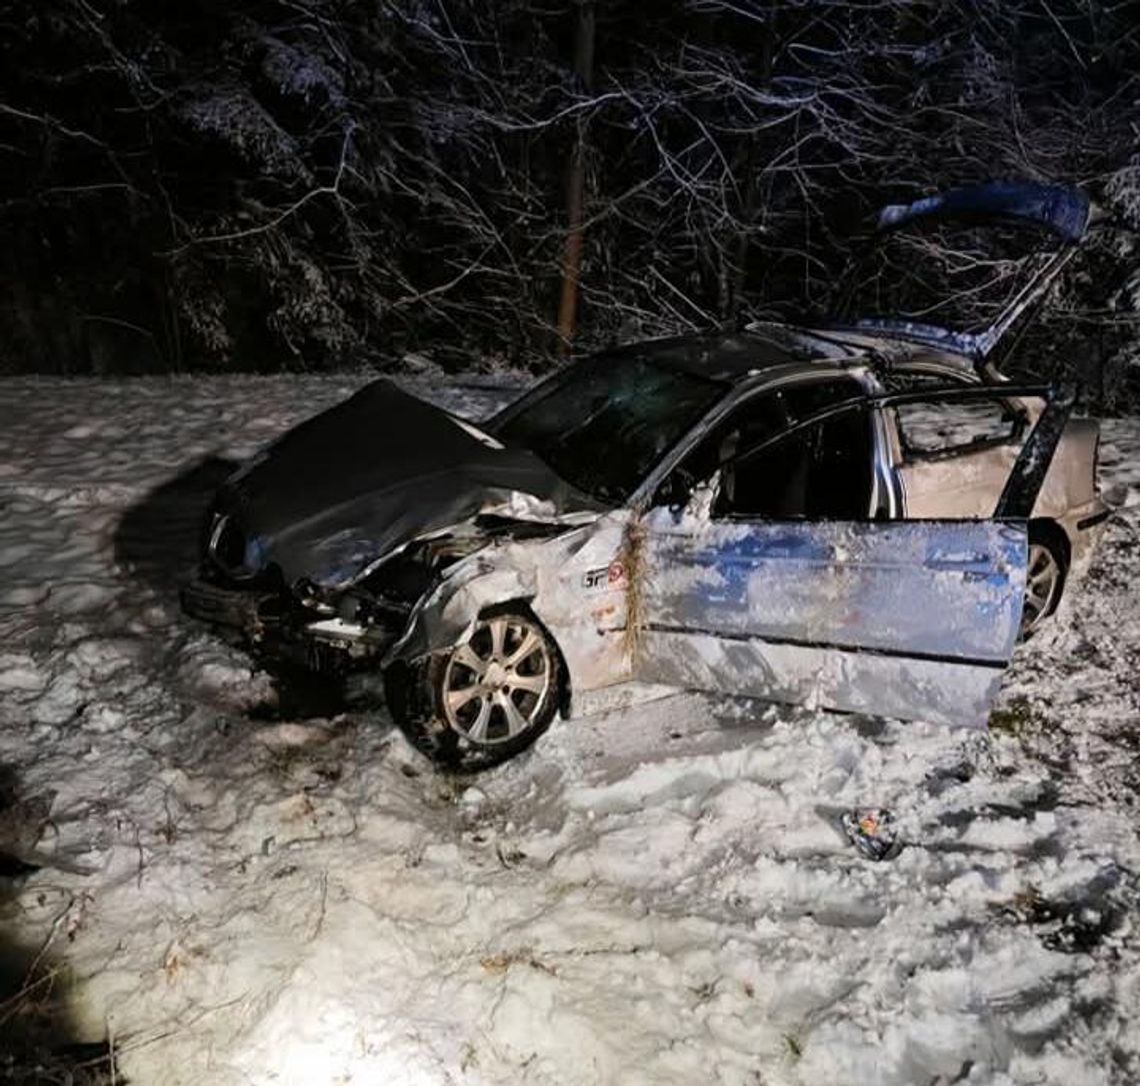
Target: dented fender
{"points": [[445, 615], [574, 583]]}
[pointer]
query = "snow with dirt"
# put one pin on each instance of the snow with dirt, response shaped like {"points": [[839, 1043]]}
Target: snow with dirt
{"points": [[262, 888]]}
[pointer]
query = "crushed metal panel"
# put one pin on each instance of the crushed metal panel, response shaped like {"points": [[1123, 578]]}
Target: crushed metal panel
{"points": [[353, 485], [576, 584], [915, 620]]}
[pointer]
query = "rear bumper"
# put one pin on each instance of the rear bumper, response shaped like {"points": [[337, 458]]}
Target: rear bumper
{"points": [[1084, 526]]}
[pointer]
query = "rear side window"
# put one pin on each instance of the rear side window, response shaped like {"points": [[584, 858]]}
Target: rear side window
{"points": [[932, 430]]}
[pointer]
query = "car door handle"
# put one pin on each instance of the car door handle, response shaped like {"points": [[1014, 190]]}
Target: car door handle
{"points": [[972, 568], [957, 561]]}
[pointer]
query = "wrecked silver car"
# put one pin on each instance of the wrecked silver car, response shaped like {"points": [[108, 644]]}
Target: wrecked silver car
{"points": [[862, 517]]}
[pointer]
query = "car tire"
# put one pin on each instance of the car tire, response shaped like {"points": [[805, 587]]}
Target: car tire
{"points": [[1046, 570], [482, 702]]}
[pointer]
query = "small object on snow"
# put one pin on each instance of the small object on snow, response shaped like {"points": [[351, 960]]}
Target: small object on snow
{"points": [[872, 832], [22, 825]]}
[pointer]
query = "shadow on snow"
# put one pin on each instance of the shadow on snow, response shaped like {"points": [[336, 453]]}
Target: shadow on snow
{"points": [[39, 1040]]}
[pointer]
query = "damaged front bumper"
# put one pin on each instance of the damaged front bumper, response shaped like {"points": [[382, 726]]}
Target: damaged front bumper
{"points": [[239, 610], [282, 628]]}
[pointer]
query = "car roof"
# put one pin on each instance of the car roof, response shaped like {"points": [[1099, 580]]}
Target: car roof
{"points": [[731, 356], [769, 350]]}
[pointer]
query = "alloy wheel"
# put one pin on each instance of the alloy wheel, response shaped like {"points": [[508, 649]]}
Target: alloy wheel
{"points": [[1042, 584], [497, 686]]}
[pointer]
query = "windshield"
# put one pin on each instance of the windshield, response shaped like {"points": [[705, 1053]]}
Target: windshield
{"points": [[605, 422], [953, 274]]}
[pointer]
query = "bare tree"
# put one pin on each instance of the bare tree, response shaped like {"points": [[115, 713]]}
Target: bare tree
{"points": [[312, 183]]}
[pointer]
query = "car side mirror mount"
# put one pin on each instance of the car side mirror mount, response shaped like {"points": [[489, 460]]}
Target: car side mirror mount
{"points": [[702, 497]]}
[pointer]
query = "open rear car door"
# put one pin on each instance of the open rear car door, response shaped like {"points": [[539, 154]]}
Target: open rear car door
{"points": [[909, 619]]}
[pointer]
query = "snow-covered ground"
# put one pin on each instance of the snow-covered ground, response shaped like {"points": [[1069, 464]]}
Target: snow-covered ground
{"points": [[653, 896]]}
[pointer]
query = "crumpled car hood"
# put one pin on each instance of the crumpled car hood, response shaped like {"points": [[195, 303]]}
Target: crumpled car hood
{"points": [[353, 485]]}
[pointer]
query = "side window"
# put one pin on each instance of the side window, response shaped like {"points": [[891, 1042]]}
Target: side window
{"points": [[822, 472], [811, 398], [755, 421], [933, 430]]}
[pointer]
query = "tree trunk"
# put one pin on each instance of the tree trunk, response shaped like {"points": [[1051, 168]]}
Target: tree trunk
{"points": [[576, 182], [751, 184]]}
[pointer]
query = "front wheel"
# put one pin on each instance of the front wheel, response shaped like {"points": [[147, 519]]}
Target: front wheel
{"points": [[483, 701]]}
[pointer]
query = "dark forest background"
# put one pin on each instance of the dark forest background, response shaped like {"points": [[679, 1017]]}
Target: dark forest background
{"points": [[312, 184]]}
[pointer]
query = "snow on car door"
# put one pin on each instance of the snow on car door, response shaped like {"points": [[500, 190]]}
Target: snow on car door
{"points": [[912, 619]]}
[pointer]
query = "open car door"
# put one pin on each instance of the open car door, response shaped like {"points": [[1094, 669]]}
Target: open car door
{"points": [[910, 619]]}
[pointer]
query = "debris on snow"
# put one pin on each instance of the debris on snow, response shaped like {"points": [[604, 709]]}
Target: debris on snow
{"points": [[872, 831]]}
